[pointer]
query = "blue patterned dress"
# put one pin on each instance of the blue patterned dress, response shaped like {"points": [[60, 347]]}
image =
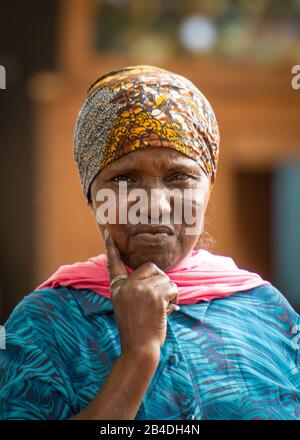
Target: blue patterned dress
{"points": [[232, 358]]}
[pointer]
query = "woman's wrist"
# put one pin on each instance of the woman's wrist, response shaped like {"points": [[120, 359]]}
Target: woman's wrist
{"points": [[124, 388], [149, 353]]}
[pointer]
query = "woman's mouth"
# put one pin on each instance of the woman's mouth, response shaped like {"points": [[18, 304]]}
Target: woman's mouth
{"points": [[153, 234]]}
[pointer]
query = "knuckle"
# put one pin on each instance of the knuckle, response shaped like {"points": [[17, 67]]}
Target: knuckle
{"points": [[152, 290], [138, 288], [150, 265]]}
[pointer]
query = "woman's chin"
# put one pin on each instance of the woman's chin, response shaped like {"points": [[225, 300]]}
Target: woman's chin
{"points": [[162, 261]]}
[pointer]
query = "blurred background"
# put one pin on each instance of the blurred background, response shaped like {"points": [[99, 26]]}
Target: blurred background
{"points": [[239, 53]]}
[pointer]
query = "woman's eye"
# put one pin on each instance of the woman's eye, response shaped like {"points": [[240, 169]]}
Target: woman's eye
{"points": [[181, 176]]}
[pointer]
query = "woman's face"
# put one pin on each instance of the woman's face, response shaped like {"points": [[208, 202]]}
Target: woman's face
{"points": [[165, 170]]}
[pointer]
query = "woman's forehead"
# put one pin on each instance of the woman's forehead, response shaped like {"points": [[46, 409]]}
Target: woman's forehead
{"points": [[160, 158]]}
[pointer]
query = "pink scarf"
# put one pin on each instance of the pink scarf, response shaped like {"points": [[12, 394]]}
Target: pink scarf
{"points": [[200, 276]]}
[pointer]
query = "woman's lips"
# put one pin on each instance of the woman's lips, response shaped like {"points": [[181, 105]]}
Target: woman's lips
{"points": [[152, 237]]}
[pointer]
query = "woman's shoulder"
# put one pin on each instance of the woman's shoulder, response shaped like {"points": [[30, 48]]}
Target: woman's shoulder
{"points": [[56, 305], [261, 307], [44, 317], [269, 296], [269, 308], [44, 300]]}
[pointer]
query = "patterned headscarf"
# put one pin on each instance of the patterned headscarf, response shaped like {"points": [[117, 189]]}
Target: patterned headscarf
{"points": [[124, 108]]}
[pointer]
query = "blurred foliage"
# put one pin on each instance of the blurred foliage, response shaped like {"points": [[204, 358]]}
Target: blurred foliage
{"points": [[265, 31]]}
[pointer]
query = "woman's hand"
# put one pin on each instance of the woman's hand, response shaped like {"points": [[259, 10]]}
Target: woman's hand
{"points": [[140, 302]]}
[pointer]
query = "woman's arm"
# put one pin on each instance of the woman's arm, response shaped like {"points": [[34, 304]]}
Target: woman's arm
{"points": [[33, 385], [124, 388], [140, 313]]}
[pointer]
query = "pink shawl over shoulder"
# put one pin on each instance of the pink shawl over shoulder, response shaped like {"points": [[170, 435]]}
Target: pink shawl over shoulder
{"points": [[200, 276]]}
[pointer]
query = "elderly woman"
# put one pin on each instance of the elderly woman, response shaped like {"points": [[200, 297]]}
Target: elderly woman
{"points": [[156, 327]]}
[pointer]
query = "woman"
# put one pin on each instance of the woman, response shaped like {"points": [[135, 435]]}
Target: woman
{"points": [[156, 327]]}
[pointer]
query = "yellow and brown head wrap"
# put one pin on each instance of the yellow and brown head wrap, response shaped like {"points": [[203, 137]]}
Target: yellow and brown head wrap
{"points": [[125, 107]]}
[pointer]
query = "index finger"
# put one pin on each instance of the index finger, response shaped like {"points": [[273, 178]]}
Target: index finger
{"points": [[115, 264]]}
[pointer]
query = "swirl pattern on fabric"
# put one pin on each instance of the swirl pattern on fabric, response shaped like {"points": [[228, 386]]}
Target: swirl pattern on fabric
{"points": [[224, 359]]}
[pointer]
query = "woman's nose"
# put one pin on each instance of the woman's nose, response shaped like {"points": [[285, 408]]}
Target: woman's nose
{"points": [[158, 209]]}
